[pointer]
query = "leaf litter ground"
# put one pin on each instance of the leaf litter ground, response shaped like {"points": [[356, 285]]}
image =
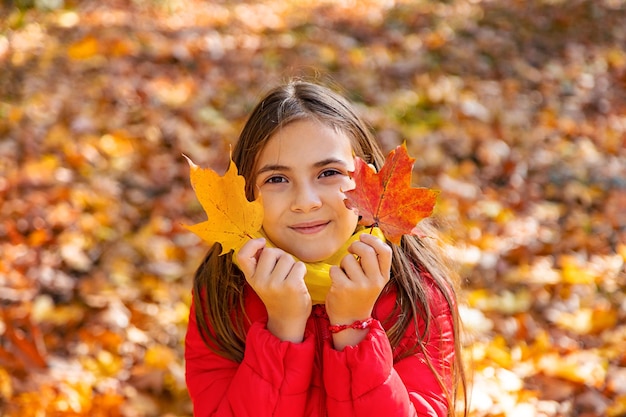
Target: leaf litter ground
{"points": [[514, 110]]}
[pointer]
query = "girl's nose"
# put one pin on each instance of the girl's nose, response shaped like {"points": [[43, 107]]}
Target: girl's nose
{"points": [[305, 198]]}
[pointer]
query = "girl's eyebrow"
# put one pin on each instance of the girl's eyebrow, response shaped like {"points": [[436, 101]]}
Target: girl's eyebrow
{"points": [[322, 163], [329, 161], [274, 167]]}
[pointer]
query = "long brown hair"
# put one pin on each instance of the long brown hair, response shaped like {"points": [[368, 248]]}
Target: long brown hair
{"points": [[218, 283]]}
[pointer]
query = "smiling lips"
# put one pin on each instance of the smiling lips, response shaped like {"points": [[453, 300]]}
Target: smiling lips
{"points": [[309, 228]]}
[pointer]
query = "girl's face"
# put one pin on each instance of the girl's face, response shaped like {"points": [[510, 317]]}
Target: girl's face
{"points": [[301, 174]]}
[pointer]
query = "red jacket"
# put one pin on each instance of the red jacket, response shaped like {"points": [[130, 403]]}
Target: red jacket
{"points": [[284, 379]]}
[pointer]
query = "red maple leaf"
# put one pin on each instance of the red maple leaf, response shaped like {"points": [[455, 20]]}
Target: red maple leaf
{"points": [[386, 199]]}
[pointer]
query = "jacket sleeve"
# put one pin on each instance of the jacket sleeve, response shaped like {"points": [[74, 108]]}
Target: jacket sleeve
{"points": [[271, 380], [363, 380]]}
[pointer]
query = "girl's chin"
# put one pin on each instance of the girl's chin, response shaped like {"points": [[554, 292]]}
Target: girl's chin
{"points": [[311, 256], [312, 259]]}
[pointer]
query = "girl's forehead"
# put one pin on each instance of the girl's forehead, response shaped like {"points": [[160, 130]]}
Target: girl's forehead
{"points": [[308, 140]]}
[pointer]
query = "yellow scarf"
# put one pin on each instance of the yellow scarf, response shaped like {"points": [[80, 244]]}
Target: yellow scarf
{"points": [[317, 278]]}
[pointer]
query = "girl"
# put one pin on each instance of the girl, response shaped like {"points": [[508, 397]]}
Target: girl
{"points": [[382, 340]]}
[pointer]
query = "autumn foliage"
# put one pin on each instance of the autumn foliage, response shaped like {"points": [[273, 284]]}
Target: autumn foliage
{"points": [[386, 199], [382, 199], [514, 110], [232, 219]]}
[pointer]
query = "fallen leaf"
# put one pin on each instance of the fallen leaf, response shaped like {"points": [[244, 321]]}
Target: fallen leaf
{"points": [[587, 320], [84, 49], [498, 351], [232, 219], [6, 387], [583, 367], [159, 357], [618, 407], [386, 199], [26, 340]]}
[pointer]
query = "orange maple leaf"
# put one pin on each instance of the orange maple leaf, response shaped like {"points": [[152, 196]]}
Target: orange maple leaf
{"points": [[232, 219], [386, 199]]}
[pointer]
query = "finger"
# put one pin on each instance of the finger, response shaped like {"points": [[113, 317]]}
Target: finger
{"points": [[352, 268], [366, 258], [267, 263], [338, 276], [374, 241], [340, 281], [298, 270], [296, 276], [247, 257], [383, 253], [283, 267]]}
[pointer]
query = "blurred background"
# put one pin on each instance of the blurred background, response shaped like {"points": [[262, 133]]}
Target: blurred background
{"points": [[515, 110]]}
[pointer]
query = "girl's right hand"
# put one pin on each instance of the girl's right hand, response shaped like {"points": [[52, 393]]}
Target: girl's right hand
{"points": [[278, 280]]}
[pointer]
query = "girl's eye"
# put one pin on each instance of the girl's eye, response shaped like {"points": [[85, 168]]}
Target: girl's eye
{"points": [[275, 180], [329, 173]]}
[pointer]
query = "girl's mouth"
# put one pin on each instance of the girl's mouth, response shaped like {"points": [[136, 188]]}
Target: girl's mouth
{"points": [[309, 228]]}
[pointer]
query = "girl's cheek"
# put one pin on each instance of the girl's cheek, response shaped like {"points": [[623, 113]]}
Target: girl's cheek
{"points": [[347, 185]]}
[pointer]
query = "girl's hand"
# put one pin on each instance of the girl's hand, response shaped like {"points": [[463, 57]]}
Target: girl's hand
{"points": [[279, 281], [357, 285]]}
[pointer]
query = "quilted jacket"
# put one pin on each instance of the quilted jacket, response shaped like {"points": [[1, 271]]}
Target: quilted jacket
{"points": [[285, 379]]}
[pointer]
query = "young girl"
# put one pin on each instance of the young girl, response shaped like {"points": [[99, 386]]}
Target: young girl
{"points": [[381, 340]]}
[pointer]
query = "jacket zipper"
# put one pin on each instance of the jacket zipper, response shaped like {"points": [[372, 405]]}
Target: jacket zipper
{"points": [[321, 336]]}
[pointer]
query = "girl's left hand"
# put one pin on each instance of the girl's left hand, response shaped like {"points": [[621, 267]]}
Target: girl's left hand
{"points": [[359, 281]]}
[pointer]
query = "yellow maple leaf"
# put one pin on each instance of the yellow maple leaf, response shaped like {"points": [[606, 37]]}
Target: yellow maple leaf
{"points": [[232, 219]]}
